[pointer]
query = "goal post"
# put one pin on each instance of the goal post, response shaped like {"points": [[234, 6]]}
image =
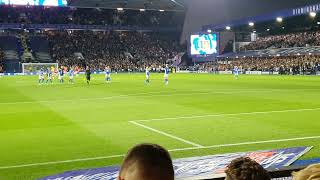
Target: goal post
{"points": [[29, 68]]}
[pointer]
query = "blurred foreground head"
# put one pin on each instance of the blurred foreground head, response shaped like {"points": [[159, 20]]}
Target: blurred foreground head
{"points": [[147, 162], [245, 168], [312, 172]]}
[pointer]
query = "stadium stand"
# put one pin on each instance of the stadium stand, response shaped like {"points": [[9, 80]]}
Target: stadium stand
{"points": [[9, 46], [293, 53], [123, 51], [94, 16], [1, 60], [294, 65], [300, 39], [40, 48]]}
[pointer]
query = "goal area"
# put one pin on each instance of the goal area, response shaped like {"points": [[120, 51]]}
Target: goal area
{"points": [[29, 68]]}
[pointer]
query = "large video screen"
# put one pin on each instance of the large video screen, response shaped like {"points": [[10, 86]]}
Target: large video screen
{"points": [[35, 2], [204, 44]]}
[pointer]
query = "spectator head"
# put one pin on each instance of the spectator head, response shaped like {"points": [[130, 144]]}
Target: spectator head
{"points": [[312, 172], [245, 168], [147, 162]]}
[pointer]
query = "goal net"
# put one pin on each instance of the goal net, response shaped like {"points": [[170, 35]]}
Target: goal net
{"points": [[36, 67]]}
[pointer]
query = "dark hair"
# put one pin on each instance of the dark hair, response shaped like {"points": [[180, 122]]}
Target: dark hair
{"points": [[245, 168], [149, 156]]}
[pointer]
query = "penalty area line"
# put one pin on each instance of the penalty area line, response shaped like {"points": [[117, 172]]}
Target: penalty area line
{"points": [[166, 134], [172, 150], [229, 114]]}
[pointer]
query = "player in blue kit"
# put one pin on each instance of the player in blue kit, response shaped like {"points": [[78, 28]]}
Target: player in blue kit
{"points": [[166, 74], [108, 74], [71, 76], [147, 81], [41, 76], [49, 75], [236, 72], [60, 75]]}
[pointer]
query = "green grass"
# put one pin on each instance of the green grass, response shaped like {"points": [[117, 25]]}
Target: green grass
{"points": [[49, 123]]}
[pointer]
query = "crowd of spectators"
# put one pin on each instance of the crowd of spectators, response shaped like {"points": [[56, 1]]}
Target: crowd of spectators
{"points": [[94, 16], [299, 39], [122, 51], [1, 60], [294, 65]]}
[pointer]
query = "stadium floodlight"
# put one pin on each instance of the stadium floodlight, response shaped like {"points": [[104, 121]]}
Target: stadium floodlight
{"points": [[318, 23], [313, 14], [268, 29], [161, 10], [251, 24], [142, 10], [120, 9], [228, 27], [279, 19], [209, 31]]}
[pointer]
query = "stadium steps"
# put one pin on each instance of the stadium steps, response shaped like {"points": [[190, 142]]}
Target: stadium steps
{"points": [[9, 44], [40, 48]]}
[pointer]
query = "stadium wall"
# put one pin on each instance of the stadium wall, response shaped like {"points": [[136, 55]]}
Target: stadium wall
{"points": [[204, 12]]}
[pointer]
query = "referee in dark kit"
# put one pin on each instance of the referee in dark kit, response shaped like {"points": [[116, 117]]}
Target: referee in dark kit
{"points": [[88, 74]]}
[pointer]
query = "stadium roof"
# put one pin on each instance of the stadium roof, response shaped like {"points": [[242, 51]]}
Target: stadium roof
{"points": [[285, 13], [172, 5]]}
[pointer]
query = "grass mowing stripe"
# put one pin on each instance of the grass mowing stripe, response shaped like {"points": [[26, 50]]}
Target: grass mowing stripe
{"points": [[231, 114], [166, 134], [82, 99], [126, 96], [172, 150]]}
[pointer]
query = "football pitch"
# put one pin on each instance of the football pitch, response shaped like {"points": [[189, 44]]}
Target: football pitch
{"points": [[52, 128]]}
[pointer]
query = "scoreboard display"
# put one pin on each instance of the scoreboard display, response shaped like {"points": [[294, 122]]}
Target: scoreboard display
{"points": [[204, 44]]}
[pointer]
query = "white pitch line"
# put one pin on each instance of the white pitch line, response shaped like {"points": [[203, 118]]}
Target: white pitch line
{"points": [[167, 134], [230, 114], [151, 94], [246, 143], [61, 162], [172, 150]]}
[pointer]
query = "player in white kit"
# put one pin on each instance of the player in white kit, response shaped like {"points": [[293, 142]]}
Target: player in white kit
{"points": [[166, 74], [236, 72], [147, 81], [71, 76], [108, 74]]}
